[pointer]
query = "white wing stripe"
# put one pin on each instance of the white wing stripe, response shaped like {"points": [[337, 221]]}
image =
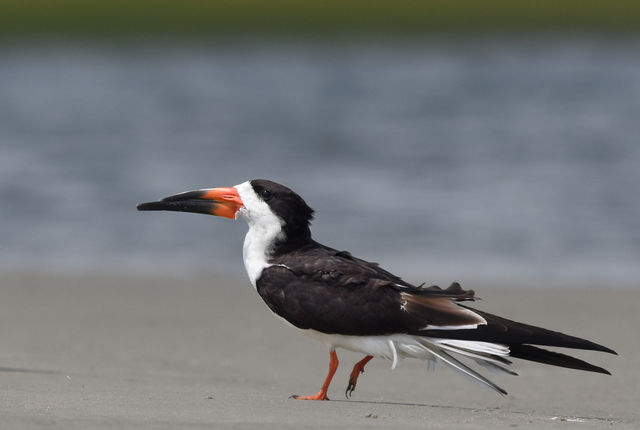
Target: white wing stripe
{"points": [[450, 327]]}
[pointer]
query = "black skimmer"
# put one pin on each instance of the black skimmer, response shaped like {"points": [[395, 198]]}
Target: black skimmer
{"points": [[350, 303]]}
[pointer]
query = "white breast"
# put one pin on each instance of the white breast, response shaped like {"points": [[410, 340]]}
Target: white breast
{"points": [[265, 228]]}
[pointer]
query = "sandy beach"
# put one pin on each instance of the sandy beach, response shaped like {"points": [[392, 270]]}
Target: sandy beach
{"points": [[107, 351]]}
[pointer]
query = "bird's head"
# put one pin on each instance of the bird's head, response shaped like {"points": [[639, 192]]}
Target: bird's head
{"points": [[262, 203]]}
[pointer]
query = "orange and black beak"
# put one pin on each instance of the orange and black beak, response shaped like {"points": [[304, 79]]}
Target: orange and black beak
{"points": [[223, 202]]}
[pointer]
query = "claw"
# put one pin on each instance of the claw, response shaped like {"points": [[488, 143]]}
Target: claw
{"points": [[353, 378], [352, 385], [349, 390]]}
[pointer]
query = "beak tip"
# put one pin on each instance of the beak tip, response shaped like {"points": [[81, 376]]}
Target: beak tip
{"points": [[149, 206]]}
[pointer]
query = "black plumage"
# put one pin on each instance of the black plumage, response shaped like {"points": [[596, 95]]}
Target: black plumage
{"points": [[332, 292]]}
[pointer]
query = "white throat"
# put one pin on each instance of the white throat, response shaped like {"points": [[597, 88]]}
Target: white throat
{"points": [[265, 228]]}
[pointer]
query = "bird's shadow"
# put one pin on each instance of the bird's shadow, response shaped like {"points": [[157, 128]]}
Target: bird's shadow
{"points": [[609, 420], [422, 405], [24, 370]]}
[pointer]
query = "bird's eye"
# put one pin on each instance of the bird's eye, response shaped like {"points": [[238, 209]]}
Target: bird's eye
{"points": [[265, 194]]}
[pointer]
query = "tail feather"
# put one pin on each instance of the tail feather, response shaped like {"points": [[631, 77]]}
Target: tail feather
{"points": [[507, 332], [539, 355], [519, 338], [466, 370], [491, 361]]}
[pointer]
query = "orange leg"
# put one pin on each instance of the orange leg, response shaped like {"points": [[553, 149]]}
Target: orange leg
{"points": [[322, 394], [357, 370]]}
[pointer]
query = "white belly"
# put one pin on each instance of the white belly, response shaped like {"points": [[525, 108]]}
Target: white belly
{"points": [[390, 347], [395, 346]]}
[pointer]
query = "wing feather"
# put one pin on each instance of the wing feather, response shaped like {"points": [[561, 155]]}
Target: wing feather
{"points": [[333, 292]]}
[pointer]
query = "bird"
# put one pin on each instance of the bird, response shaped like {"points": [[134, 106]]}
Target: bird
{"points": [[349, 303]]}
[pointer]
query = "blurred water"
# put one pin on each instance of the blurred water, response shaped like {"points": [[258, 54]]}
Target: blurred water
{"points": [[442, 159]]}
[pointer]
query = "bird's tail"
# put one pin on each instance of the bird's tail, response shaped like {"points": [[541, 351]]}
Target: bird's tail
{"points": [[516, 340], [490, 344]]}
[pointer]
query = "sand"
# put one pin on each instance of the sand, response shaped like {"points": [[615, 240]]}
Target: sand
{"points": [[107, 351]]}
